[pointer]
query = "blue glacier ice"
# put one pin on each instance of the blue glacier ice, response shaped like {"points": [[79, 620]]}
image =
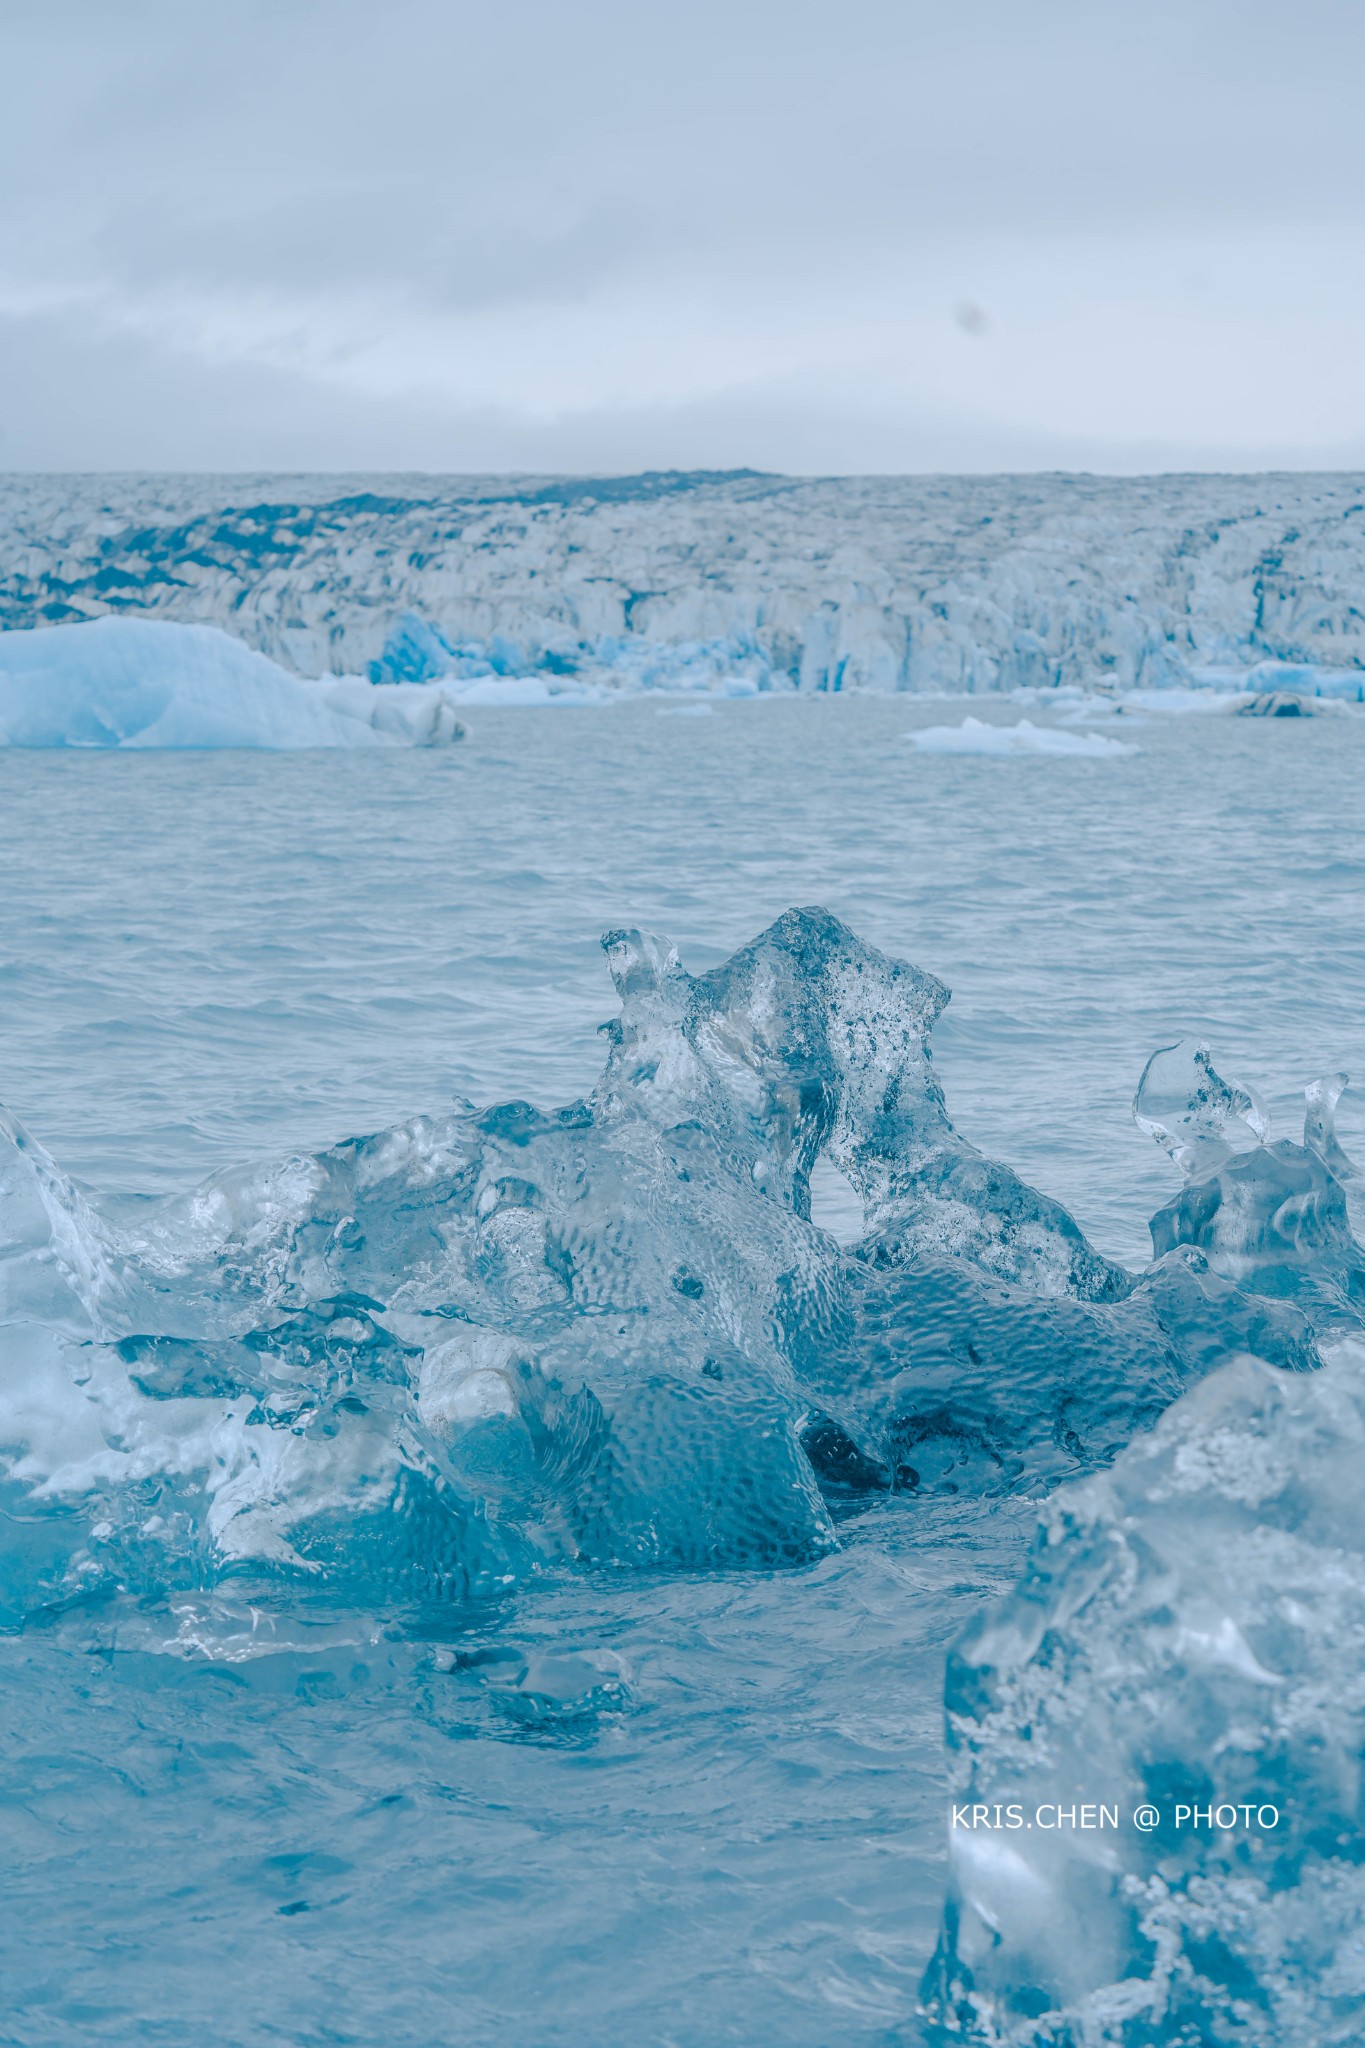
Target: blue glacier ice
{"points": [[928, 585], [546, 668]]}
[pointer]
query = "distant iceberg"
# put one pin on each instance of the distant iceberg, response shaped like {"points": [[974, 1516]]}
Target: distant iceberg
{"points": [[975, 736], [118, 682]]}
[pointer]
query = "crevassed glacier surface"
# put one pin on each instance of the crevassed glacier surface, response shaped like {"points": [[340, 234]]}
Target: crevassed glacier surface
{"points": [[729, 581]]}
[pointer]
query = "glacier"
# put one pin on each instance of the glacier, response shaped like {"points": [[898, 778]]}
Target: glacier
{"points": [[139, 683], [712, 582]]}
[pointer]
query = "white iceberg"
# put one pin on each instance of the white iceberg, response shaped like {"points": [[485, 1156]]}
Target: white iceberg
{"points": [[142, 683], [975, 736]]}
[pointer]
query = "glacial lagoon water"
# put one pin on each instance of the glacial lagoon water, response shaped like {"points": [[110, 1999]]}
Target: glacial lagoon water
{"points": [[628, 1794]]}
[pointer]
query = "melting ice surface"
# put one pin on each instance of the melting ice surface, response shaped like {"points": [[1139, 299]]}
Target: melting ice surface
{"points": [[473, 1584], [423, 1364], [1187, 1639]]}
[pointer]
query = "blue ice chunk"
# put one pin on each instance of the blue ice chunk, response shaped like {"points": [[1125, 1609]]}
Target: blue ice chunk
{"points": [[1166, 1719], [142, 683]]}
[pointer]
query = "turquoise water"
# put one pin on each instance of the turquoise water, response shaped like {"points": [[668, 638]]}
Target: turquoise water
{"points": [[721, 1817]]}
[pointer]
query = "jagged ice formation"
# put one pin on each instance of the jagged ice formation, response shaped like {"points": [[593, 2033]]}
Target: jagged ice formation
{"points": [[712, 581]]}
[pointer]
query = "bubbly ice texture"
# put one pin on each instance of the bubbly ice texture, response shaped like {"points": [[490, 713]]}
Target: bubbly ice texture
{"points": [[1190, 1634], [420, 1365], [707, 583], [1187, 1638], [139, 683]]}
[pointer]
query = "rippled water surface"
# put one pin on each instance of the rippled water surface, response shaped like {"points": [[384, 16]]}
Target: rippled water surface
{"points": [[718, 1812]]}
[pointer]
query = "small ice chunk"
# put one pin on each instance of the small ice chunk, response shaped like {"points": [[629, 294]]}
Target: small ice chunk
{"points": [[1192, 1112], [1178, 1677], [1319, 1124], [975, 736]]}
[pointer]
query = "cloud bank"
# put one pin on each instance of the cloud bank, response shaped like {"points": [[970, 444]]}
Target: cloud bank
{"points": [[881, 236]]}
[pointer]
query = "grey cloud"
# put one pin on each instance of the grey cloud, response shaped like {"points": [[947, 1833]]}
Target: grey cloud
{"points": [[458, 156], [96, 405]]}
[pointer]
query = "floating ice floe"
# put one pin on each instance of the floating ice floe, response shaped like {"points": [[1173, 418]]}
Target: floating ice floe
{"points": [[1187, 1647], [139, 683], [975, 736], [1158, 1835], [427, 1361]]}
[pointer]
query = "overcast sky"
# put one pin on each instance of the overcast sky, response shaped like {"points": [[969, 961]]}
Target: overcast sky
{"points": [[809, 235]]}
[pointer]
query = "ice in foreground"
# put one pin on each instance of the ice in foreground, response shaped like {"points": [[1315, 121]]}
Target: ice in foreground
{"points": [[119, 682], [1182, 1662], [436, 1358], [1189, 1638], [393, 1381]]}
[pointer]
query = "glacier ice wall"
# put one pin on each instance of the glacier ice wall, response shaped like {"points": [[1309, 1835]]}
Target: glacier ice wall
{"points": [[703, 581]]}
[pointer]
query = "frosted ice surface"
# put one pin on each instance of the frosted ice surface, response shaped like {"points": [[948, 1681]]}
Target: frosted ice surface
{"points": [[1190, 1635], [138, 683]]}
